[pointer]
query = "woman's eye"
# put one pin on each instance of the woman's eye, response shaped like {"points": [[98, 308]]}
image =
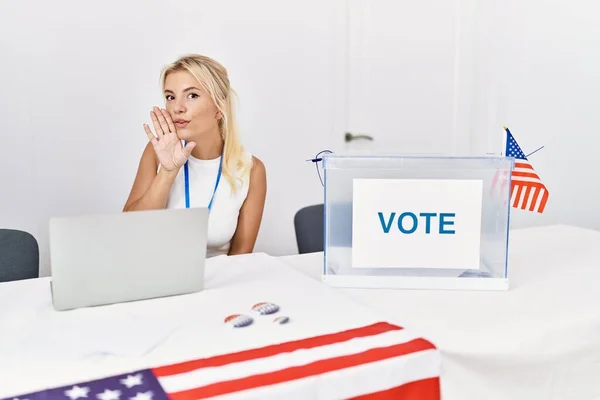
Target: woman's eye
{"points": [[193, 96], [169, 97]]}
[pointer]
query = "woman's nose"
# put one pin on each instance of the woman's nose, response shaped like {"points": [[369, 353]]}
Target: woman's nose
{"points": [[179, 108]]}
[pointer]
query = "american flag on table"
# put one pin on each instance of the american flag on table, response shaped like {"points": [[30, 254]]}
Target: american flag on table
{"points": [[375, 362], [527, 190]]}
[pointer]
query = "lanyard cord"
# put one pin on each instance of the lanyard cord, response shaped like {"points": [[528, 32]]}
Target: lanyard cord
{"points": [[186, 176]]}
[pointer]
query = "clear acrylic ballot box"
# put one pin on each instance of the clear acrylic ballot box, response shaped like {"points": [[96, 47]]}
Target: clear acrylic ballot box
{"points": [[413, 222]]}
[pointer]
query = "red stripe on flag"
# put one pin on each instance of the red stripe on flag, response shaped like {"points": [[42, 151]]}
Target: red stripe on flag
{"points": [[517, 194], [303, 371], [526, 197], [523, 165], [525, 175], [268, 351], [544, 201], [534, 199], [424, 389]]}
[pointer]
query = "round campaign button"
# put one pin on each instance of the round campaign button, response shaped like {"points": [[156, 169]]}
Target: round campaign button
{"points": [[281, 320], [238, 320], [265, 308]]}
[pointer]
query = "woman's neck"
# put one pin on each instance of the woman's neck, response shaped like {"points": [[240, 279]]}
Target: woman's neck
{"points": [[208, 148]]}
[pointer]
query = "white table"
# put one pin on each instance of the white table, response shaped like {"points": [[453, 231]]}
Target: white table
{"points": [[539, 340], [41, 348]]}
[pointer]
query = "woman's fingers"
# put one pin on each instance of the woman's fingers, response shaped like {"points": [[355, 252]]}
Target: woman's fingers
{"points": [[184, 153], [162, 120], [150, 135], [156, 123], [169, 120], [163, 124], [187, 150]]}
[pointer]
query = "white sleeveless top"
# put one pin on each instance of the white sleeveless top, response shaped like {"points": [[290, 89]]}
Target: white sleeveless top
{"points": [[225, 209]]}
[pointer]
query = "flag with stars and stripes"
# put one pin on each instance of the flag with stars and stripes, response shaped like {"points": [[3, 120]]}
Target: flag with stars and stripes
{"points": [[378, 361], [526, 189]]}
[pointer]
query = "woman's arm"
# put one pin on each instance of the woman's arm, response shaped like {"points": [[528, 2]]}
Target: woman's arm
{"points": [[150, 189], [251, 212]]}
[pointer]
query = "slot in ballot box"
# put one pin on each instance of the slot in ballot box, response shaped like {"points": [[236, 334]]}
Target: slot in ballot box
{"points": [[416, 222]]}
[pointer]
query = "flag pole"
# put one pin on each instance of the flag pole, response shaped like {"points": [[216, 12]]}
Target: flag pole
{"points": [[504, 138]]}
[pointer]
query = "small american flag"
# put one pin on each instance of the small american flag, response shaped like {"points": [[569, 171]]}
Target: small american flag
{"points": [[374, 362], [527, 190]]}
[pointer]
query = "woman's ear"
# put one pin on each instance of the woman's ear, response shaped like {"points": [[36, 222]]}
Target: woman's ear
{"points": [[219, 115]]}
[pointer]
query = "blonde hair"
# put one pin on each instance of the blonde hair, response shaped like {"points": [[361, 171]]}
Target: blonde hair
{"points": [[214, 79]]}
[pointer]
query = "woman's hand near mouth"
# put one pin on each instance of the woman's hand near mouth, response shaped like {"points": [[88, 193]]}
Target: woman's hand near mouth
{"points": [[167, 145]]}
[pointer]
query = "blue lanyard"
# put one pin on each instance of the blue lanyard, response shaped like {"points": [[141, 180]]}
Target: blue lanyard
{"points": [[186, 175]]}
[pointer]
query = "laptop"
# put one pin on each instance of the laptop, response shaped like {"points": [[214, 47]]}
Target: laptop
{"points": [[105, 259]]}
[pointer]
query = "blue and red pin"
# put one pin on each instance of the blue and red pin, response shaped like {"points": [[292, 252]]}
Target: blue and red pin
{"points": [[262, 308], [265, 308], [281, 320], [238, 320]]}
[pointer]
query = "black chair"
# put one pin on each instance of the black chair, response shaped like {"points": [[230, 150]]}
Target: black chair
{"points": [[19, 256], [309, 226]]}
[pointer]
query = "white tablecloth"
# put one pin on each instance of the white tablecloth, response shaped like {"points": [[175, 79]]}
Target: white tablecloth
{"points": [[539, 340], [41, 348]]}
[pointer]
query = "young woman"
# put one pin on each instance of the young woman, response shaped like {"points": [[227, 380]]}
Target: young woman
{"points": [[195, 140]]}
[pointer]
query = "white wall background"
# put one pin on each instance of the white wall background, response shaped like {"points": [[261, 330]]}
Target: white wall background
{"points": [[78, 79], [538, 72]]}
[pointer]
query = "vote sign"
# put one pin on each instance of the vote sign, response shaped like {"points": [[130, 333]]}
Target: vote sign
{"points": [[416, 223]]}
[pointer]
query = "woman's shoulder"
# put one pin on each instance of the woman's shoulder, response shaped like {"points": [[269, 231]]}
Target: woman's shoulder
{"points": [[258, 172], [249, 165], [257, 165]]}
